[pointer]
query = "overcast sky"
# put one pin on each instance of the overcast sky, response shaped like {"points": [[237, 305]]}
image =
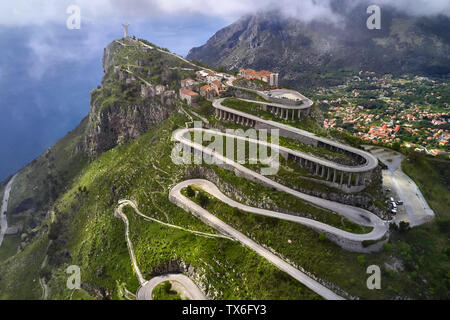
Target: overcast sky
{"points": [[27, 12]]}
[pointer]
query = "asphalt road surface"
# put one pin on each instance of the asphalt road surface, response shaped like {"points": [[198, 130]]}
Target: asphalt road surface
{"points": [[181, 283], [415, 208], [218, 224], [4, 221]]}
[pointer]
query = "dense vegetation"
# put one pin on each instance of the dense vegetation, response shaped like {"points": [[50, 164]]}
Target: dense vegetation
{"points": [[164, 291]]}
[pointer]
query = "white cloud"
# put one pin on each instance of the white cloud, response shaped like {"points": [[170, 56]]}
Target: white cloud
{"points": [[420, 7], [38, 12], [49, 43], [50, 46]]}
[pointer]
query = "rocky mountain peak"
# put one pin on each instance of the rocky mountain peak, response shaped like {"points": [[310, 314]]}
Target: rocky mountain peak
{"points": [[311, 52]]}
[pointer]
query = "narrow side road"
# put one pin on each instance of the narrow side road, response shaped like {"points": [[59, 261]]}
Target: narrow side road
{"points": [[146, 288], [4, 221]]}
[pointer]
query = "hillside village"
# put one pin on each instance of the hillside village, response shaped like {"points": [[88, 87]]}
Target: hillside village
{"points": [[411, 111], [209, 84]]}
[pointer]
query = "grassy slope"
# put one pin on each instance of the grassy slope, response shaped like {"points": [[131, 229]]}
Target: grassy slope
{"points": [[97, 242], [43, 179], [20, 274], [9, 246], [428, 247], [49, 174]]}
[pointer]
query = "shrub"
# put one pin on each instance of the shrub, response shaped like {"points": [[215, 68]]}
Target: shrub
{"points": [[404, 226], [55, 230], [190, 192], [361, 259], [447, 251], [167, 287], [204, 200], [396, 146]]}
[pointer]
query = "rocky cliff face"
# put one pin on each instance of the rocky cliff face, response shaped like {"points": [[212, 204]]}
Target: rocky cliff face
{"points": [[321, 52], [121, 110], [116, 126]]}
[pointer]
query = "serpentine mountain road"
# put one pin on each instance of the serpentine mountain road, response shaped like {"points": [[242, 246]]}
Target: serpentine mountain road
{"points": [[355, 214], [210, 219], [358, 215], [188, 287]]}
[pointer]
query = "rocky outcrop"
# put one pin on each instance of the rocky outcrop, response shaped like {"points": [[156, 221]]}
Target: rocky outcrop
{"points": [[126, 105], [115, 126], [109, 56], [99, 292]]}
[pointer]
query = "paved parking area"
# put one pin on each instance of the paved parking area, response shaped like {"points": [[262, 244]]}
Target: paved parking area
{"points": [[415, 209]]}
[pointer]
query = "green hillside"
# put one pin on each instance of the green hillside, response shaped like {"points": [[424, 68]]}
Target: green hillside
{"points": [[74, 194]]}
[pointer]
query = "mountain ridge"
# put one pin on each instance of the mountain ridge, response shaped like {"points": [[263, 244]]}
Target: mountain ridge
{"points": [[313, 53]]}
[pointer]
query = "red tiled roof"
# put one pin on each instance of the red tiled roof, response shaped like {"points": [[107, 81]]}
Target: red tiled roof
{"points": [[188, 92], [256, 74], [265, 73]]}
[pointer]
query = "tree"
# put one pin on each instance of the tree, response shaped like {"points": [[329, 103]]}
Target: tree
{"points": [[396, 146], [404, 226], [416, 157], [204, 200], [167, 287], [190, 192]]}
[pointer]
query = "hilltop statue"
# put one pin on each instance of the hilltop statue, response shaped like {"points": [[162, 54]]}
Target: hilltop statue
{"points": [[125, 27]]}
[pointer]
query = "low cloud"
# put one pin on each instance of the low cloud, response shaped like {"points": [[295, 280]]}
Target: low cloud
{"points": [[51, 43], [39, 12], [50, 46]]}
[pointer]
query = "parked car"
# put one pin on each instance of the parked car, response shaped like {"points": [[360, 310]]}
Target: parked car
{"points": [[400, 202]]}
